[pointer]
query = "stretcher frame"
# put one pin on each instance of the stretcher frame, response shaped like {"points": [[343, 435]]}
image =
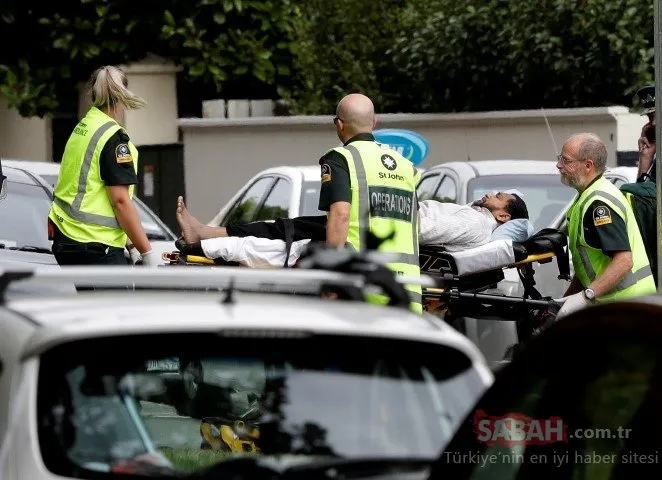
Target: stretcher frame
{"points": [[457, 296]]}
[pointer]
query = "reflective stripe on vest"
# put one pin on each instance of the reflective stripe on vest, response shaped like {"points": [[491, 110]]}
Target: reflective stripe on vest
{"points": [[590, 262], [632, 277], [361, 205], [364, 215], [74, 210]]}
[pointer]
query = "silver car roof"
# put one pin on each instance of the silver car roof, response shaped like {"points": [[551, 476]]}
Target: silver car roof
{"points": [[60, 319]]}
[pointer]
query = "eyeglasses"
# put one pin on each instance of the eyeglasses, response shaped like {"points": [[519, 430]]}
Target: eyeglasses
{"points": [[337, 119], [565, 160]]}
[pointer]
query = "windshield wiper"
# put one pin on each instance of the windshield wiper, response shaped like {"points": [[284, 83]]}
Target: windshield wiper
{"points": [[254, 467], [31, 248]]}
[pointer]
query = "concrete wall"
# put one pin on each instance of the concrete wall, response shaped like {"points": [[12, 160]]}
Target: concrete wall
{"points": [[25, 138], [220, 155], [155, 81]]}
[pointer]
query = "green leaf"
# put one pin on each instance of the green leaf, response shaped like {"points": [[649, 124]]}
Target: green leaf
{"points": [[260, 75], [240, 70], [283, 70], [196, 70], [60, 43], [219, 18], [92, 51], [169, 19]]}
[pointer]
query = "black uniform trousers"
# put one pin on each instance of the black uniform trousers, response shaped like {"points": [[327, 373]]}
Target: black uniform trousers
{"points": [[71, 252]]}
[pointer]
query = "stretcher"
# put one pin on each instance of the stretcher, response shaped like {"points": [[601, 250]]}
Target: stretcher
{"points": [[464, 278]]}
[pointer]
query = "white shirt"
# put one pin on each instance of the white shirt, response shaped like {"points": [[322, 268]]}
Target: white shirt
{"points": [[456, 227]]}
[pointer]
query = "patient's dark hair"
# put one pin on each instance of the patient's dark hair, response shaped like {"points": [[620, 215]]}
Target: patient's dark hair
{"points": [[517, 208]]}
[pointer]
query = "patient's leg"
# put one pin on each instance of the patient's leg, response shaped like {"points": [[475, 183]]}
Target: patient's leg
{"points": [[192, 230], [304, 228]]}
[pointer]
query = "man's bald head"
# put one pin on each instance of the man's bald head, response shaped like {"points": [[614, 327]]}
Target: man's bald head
{"points": [[357, 114]]}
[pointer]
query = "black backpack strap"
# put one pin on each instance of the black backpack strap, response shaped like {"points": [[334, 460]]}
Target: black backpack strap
{"points": [[288, 226]]}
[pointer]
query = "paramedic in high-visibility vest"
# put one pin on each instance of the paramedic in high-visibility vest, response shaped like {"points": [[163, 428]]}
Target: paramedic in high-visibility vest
{"points": [[607, 250], [93, 218], [368, 188]]}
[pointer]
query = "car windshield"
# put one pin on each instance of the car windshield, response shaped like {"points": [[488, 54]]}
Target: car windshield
{"points": [[545, 196], [176, 397], [310, 197], [23, 216]]}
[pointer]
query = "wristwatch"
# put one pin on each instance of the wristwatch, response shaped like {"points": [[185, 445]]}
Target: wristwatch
{"points": [[589, 294]]}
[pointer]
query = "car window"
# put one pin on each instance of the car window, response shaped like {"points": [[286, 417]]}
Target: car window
{"points": [[425, 187], [310, 198], [545, 196], [277, 203], [153, 230], [447, 191], [199, 400], [582, 406], [23, 216], [244, 210]]}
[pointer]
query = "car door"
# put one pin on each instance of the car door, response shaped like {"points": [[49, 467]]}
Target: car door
{"points": [[246, 206], [427, 186], [580, 400], [438, 186], [446, 191], [277, 201]]}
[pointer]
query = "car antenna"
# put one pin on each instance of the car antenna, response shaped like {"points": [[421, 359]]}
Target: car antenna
{"points": [[549, 129], [229, 293]]}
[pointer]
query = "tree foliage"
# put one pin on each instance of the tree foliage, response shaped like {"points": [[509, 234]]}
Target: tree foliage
{"points": [[218, 42], [449, 55], [340, 47], [408, 55], [513, 54]]}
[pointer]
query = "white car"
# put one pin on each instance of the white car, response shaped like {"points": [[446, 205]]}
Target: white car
{"points": [[463, 182], [352, 390], [278, 192], [160, 236], [101, 382]]}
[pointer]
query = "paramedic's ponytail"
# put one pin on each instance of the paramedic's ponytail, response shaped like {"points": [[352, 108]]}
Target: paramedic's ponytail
{"points": [[108, 87]]}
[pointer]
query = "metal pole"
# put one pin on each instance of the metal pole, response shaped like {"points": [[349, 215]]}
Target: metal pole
{"points": [[658, 133]]}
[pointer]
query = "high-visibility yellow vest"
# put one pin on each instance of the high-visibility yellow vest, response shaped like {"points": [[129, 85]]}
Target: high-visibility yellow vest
{"points": [[590, 262], [383, 186], [81, 207]]}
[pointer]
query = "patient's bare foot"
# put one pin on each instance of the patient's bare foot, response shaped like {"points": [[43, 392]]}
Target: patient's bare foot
{"points": [[188, 223]]}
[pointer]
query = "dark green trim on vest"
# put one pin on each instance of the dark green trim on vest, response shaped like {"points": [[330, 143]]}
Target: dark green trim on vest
{"points": [[388, 202]]}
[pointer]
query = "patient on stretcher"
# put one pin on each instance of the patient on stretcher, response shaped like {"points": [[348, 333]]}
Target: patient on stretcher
{"points": [[263, 244]]}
